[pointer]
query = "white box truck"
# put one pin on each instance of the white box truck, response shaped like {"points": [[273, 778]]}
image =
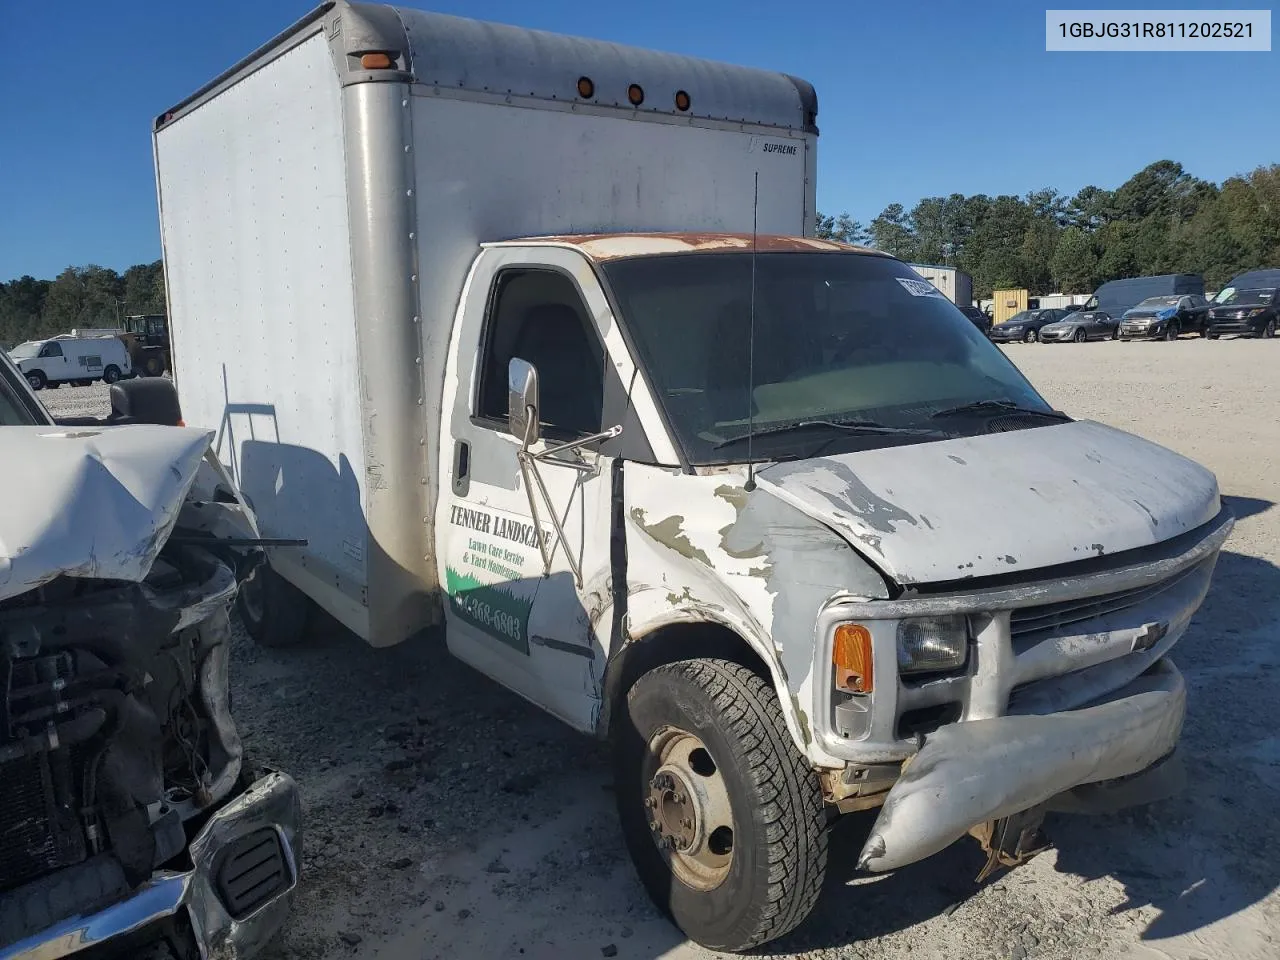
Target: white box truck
{"points": [[524, 334]]}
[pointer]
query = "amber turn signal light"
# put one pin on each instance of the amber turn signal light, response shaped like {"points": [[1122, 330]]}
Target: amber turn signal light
{"points": [[586, 88], [682, 101], [376, 61], [851, 654]]}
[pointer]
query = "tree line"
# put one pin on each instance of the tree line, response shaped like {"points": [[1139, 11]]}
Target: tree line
{"points": [[1160, 220], [77, 298]]}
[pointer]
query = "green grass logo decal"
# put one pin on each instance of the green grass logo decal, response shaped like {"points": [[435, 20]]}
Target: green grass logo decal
{"points": [[494, 608]]}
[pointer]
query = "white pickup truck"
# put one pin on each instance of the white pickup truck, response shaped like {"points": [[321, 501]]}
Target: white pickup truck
{"points": [[524, 334]]}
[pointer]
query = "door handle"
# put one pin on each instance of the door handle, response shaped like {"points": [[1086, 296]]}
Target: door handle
{"points": [[461, 467]]}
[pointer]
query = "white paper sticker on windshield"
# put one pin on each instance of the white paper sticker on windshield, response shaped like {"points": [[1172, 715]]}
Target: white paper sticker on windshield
{"points": [[919, 288]]}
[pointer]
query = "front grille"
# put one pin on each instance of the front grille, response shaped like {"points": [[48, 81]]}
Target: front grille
{"points": [[1030, 625], [37, 833], [252, 871]]}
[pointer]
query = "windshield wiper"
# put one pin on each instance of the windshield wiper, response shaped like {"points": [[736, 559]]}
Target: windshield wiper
{"points": [[998, 406], [869, 427]]}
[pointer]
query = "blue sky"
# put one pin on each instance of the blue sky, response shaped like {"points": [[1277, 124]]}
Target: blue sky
{"points": [[916, 99]]}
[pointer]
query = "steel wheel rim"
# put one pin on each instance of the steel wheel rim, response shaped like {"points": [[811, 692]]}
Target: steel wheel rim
{"points": [[686, 803]]}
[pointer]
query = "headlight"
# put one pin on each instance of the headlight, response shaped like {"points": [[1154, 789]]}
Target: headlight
{"points": [[932, 644], [1254, 313]]}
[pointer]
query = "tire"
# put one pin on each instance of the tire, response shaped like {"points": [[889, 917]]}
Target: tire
{"points": [[760, 789], [1031, 336], [275, 612], [1171, 332], [1211, 336], [1269, 331], [152, 367], [111, 374], [1080, 336], [37, 380]]}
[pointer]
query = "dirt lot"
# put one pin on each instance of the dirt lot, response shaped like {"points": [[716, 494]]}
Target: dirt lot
{"points": [[447, 818]]}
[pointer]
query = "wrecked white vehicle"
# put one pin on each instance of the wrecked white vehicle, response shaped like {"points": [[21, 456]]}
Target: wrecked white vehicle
{"points": [[558, 364], [130, 823]]}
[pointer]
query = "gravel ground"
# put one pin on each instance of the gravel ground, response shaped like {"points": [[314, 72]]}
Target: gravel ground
{"points": [[448, 818]]}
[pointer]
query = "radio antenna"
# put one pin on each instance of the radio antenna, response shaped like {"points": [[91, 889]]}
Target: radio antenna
{"points": [[751, 342]]}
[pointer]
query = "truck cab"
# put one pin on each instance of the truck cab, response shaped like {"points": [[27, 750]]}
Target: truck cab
{"points": [[541, 349]]}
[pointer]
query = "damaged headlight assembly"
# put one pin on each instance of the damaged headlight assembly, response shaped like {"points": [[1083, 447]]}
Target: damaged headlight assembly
{"points": [[932, 644], [919, 648]]}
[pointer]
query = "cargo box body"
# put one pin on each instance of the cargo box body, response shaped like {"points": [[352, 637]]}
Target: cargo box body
{"points": [[319, 217]]}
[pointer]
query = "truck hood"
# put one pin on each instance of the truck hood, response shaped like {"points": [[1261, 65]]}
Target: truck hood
{"points": [[1000, 503], [88, 502]]}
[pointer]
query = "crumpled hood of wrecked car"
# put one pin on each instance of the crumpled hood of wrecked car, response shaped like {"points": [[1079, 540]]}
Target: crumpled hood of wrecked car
{"points": [[89, 502], [1000, 503]]}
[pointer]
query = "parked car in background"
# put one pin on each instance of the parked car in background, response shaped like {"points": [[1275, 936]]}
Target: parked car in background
{"points": [[1025, 326], [69, 359], [1165, 318], [981, 319], [1250, 312], [1079, 326]]}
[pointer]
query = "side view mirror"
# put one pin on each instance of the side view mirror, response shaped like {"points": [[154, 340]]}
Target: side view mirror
{"points": [[146, 400], [522, 400]]}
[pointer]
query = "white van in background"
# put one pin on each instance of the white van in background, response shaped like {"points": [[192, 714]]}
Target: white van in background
{"points": [[70, 359]]}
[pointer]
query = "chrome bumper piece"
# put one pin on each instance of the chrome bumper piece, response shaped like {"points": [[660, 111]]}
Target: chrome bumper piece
{"points": [[272, 803]]}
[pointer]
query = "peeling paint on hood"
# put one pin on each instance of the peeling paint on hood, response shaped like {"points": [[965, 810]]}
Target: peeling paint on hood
{"points": [[1000, 503], [96, 503]]}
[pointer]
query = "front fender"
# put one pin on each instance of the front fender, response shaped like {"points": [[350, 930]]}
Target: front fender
{"points": [[704, 549]]}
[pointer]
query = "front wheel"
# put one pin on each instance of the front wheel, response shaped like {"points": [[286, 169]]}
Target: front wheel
{"points": [[37, 380], [1171, 332], [722, 814], [1269, 330], [1030, 337], [1080, 336]]}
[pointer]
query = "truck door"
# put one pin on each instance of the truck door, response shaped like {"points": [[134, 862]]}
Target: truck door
{"points": [[53, 362], [526, 564]]}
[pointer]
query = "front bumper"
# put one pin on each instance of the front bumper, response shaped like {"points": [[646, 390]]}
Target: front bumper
{"points": [[1006, 336], [1233, 326], [970, 773], [1135, 332], [271, 808], [1046, 335]]}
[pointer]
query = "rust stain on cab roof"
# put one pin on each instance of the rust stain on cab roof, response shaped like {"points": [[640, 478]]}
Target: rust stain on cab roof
{"points": [[615, 246]]}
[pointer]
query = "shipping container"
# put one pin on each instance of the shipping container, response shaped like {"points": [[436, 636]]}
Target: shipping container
{"points": [[954, 283], [1008, 303]]}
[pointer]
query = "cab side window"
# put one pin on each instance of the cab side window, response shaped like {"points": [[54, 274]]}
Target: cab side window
{"points": [[51, 350], [538, 316]]}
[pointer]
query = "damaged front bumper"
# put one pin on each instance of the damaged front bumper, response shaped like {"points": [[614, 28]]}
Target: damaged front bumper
{"points": [[970, 773], [234, 898]]}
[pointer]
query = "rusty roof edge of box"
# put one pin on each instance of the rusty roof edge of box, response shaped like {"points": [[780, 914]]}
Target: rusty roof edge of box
{"points": [[616, 246]]}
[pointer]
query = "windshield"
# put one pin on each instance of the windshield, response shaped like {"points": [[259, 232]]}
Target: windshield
{"points": [[1152, 303], [25, 351], [17, 407], [1248, 296], [838, 337], [1024, 316]]}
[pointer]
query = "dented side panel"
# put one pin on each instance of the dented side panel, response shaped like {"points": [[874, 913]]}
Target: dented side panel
{"points": [[704, 549]]}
